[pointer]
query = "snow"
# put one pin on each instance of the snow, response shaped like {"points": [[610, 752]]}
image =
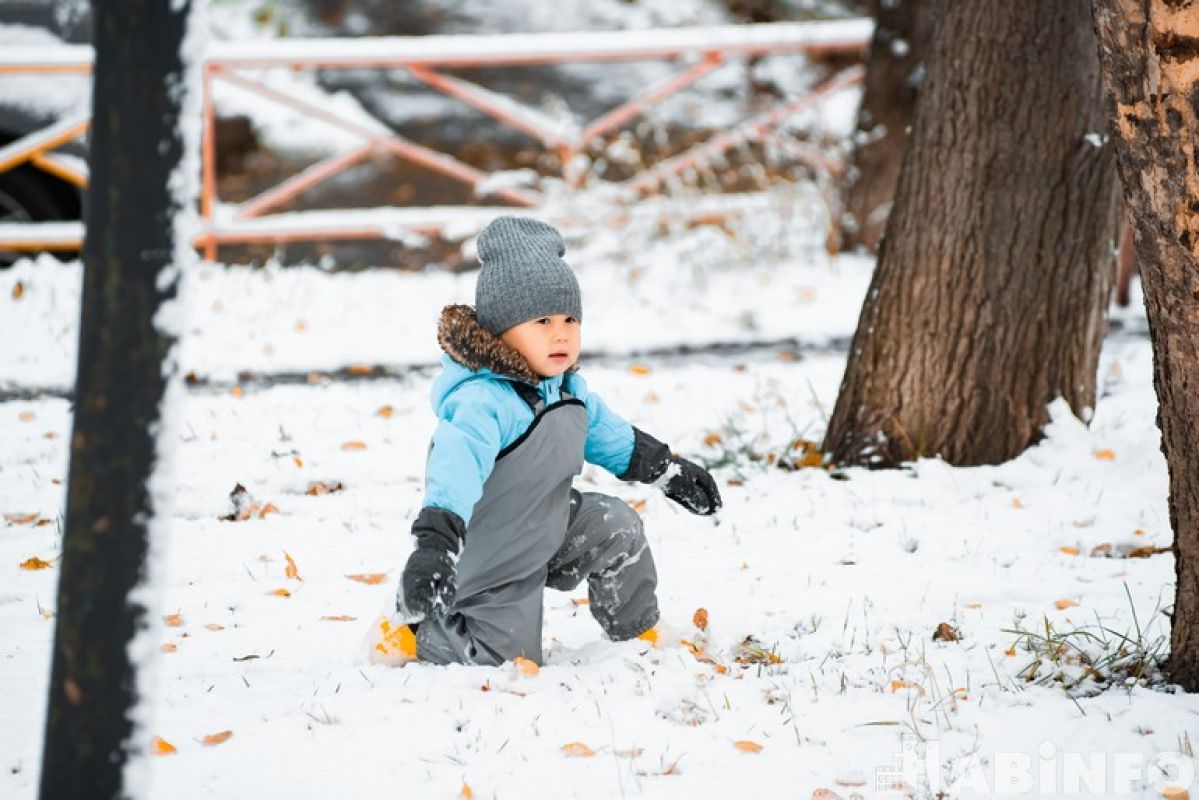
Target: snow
{"points": [[844, 580]]}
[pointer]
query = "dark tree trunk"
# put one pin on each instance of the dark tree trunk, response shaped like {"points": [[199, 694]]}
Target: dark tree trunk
{"points": [[989, 295], [1149, 50], [893, 76], [129, 242]]}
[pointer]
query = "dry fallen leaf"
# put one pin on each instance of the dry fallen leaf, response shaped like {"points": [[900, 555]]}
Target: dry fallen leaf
{"points": [[526, 667], [1105, 455], [639, 369], [237, 391], [369, 578], [1062, 605], [580, 601], [637, 505], [900, 683], [712, 439], [269, 508], [354, 445], [577, 750], [1175, 793], [825, 794], [280, 593], [18, 290], [291, 570], [20, 519], [746, 746], [385, 412], [360, 369], [1070, 551], [27, 416], [1103, 549], [299, 462], [213, 739], [212, 626], [318, 488], [161, 747], [1145, 552], [1016, 503], [169, 647], [339, 618], [35, 563], [173, 620], [700, 618], [1010, 652], [946, 633], [466, 793]]}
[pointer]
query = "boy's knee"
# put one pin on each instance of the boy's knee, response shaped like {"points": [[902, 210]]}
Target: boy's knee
{"points": [[621, 520]]}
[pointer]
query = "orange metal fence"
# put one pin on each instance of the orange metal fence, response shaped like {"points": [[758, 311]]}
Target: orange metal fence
{"points": [[698, 51]]}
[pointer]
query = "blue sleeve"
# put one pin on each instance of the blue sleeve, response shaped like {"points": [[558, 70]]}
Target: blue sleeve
{"points": [[609, 436], [463, 451]]}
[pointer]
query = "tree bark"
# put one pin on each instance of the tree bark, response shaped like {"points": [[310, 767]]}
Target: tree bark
{"points": [[1149, 50], [893, 75], [989, 295], [129, 242]]}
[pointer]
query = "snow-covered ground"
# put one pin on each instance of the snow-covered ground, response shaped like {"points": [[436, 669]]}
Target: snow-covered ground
{"points": [[840, 578]]}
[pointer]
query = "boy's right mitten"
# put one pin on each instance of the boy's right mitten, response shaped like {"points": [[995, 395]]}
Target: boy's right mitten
{"points": [[429, 583], [686, 482]]}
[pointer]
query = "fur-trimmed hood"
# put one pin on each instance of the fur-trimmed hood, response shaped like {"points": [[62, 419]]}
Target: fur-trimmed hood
{"points": [[465, 340]]}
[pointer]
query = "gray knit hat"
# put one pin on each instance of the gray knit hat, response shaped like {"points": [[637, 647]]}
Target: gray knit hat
{"points": [[523, 276]]}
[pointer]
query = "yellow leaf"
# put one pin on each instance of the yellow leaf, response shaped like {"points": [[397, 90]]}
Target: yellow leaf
{"points": [[269, 508], [237, 391], [35, 563], [212, 626], [1070, 551], [213, 739], [173, 620], [299, 462], [900, 683], [1105, 455], [746, 746], [280, 593], [27, 416], [700, 618], [169, 647], [360, 369], [162, 747], [1062, 605], [712, 439], [385, 412], [369, 578], [466, 793], [354, 445], [526, 667], [291, 570], [20, 519], [1010, 652], [639, 369], [339, 618], [577, 750]]}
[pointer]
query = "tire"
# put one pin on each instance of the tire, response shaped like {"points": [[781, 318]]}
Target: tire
{"points": [[30, 195]]}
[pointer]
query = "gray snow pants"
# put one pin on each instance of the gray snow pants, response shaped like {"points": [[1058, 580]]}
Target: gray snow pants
{"points": [[604, 544]]}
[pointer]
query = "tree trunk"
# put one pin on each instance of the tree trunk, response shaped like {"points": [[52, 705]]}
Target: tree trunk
{"points": [[129, 242], [1149, 50], [893, 76], [989, 295]]}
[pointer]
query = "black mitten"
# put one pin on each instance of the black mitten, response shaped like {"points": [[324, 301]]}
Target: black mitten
{"points": [[428, 586], [687, 483]]}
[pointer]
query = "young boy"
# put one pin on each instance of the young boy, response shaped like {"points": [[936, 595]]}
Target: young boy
{"points": [[500, 520]]}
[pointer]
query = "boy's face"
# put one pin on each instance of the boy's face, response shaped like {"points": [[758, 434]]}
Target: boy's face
{"points": [[550, 344]]}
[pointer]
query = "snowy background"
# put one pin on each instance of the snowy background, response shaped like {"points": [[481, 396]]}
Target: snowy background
{"points": [[818, 674]]}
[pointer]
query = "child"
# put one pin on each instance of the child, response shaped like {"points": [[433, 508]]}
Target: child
{"points": [[500, 520]]}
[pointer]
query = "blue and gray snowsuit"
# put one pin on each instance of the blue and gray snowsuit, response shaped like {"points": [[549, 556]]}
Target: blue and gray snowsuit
{"points": [[506, 449]]}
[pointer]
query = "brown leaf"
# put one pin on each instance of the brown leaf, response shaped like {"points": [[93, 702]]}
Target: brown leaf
{"points": [[269, 508], [945, 633], [577, 750], [1062, 605], [1016, 503], [237, 391], [900, 683], [1105, 455], [360, 369], [369, 578], [212, 626], [169, 647], [354, 445], [466, 793], [35, 563], [213, 739], [700, 618], [636, 505], [291, 570], [385, 412], [526, 667], [746, 746], [825, 794], [339, 618], [712, 439], [1069, 551], [173, 620], [280, 593], [20, 519], [318, 488], [579, 601], [1145, 552], [299, 462], [1102, 550], [18, 290], [161, 747], [27, 416], [639, 369]]}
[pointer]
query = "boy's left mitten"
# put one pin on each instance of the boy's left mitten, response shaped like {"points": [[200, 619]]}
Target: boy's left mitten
{"points": [[429, 584], [685, 482]]}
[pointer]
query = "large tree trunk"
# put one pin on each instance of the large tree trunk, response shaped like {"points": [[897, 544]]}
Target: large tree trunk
{"points": [[1149, 50], [893, 76], [989, 295], [130, 241]]}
